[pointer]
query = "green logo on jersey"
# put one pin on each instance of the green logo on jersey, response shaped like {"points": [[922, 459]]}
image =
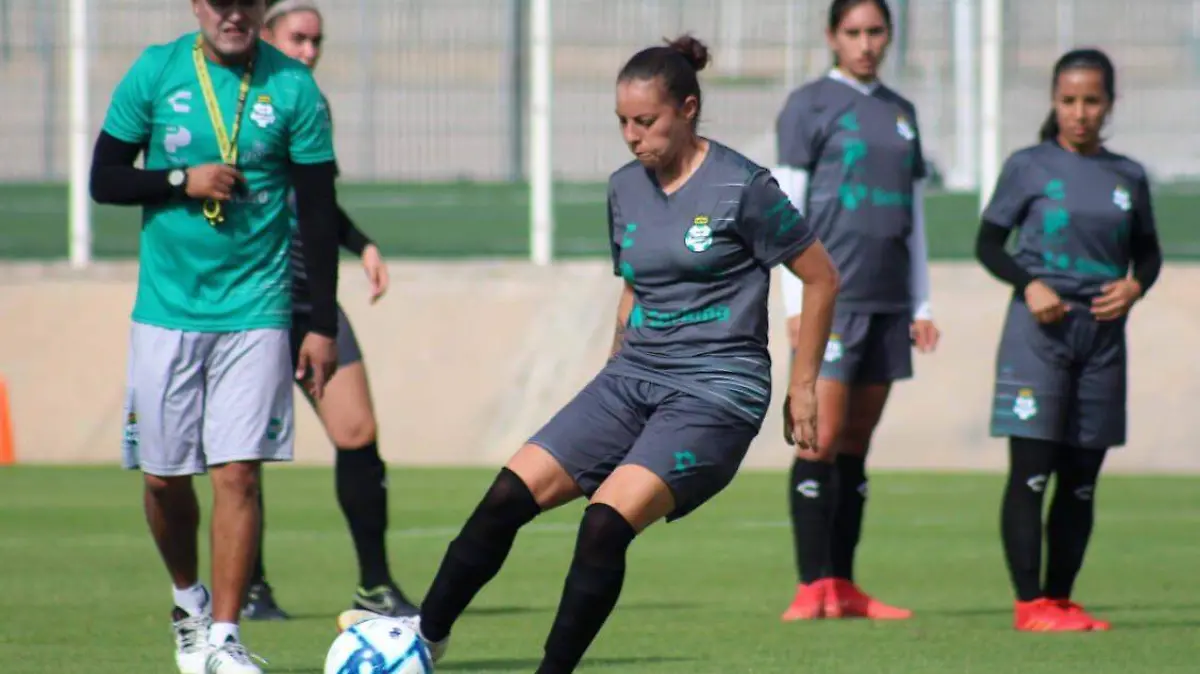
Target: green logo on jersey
{"points": [[651, 318], [627, 239], [787, 216]]}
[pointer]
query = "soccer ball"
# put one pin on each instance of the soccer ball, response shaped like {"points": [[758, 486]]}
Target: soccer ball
{"points": [[378, 646]]}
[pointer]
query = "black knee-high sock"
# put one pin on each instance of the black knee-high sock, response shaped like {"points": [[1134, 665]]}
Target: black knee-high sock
{"points": [[258, 575], [1072, 513], [476, 555], [848, 515], [1031, 463], [592, 588], [813, 497], [360, 477]]}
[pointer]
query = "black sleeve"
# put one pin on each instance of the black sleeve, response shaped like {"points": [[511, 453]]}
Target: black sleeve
{"points": [[351, 237], [316, 206], [989, 249], [1146, 254], [114, 180]]}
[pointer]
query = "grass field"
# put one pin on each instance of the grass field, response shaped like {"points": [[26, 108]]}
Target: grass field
{"points": [[475, 220], [81, 587]]}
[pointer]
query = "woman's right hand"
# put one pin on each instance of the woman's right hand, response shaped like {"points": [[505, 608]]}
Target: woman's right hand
{"points": [[1044, 303], [213, 181]]}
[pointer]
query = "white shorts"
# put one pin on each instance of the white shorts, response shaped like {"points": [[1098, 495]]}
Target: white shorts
{"points": [[200, 399]]}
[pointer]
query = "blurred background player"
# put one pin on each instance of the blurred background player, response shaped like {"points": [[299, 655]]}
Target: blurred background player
{"points": [[695, 230], [296, 28], [849, 156], [1084, 221], [209, 365]]}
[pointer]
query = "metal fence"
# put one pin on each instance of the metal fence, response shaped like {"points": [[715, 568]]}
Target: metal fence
{"points": [[430, 90]]}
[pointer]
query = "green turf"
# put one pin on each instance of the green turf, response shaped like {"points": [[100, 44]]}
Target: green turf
{"points": [[81, 587], [487, 220]]}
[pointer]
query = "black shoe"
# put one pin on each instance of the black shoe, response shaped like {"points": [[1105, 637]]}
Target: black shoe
{"points": [[386, 600], [260, 604]]}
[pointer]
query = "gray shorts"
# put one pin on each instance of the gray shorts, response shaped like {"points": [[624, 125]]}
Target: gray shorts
{"points": [[1064, 382], [868, 348], [348, 350], [200, 399], [695, 446]]}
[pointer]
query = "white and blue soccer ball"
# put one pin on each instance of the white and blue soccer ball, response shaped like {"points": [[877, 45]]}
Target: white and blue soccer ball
{"points": [[378, 646]]}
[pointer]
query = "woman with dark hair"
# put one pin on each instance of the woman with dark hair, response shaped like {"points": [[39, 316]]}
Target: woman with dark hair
{"points": [[1086, 251], [695, 229], [850, 158]]}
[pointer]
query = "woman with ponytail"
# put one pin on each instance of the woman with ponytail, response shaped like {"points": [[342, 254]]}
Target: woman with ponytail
{"points": [[695, 229], [1086, 251]]}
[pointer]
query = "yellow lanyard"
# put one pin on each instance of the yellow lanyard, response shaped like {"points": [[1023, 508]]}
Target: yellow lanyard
{"points": [[226, 142]]}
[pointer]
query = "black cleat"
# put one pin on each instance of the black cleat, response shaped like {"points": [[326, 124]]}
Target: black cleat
{"points": [[260, 604], [385, 600]]}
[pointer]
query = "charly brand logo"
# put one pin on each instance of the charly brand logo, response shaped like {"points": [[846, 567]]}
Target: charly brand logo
{"points": [[699, 237], [179, 101]]}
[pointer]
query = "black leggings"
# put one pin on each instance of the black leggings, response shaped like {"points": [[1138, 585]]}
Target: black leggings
{"points": [[1068, 527]]}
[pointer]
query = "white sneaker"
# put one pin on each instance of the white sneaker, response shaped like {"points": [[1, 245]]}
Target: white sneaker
{"points": [[232, 657], [352, 617], [191, 641]]}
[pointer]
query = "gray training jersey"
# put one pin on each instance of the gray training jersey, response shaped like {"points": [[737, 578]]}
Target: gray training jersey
{"points": [[862, 153], [699, 262], [1076, 215]]}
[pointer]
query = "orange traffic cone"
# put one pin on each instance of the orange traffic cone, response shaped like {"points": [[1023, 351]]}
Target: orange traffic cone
{"points": [[8, 451]]}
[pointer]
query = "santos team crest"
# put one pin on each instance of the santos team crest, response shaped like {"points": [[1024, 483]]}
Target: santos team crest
{"points": [[263, 112], [699, 236], [1025, 406], [1122, 199]]}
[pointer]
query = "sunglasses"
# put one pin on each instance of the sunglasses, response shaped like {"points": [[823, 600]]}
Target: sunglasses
{"points": [[227, 5]]}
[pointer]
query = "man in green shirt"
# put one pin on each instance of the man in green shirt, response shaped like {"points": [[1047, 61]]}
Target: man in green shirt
{"points": [[210, 370]]}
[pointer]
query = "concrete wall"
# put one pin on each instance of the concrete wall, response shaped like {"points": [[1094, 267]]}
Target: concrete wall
{"points": [[467, 359]]}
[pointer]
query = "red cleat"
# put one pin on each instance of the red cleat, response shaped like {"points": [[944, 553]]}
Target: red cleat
{"points": [[1072, 608], [1047, 615], [846, 600], [809, 602]]}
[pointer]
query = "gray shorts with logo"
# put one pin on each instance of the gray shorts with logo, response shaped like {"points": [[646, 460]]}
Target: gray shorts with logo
{"points": [[1064, 382], [200, 399], [866, 348], [694, 445]]}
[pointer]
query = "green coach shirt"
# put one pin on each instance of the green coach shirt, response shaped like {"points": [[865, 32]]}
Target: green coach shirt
{"points": [[234, 276]]}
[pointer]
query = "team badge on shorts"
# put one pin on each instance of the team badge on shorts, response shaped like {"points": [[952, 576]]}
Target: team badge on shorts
{"points": [[834, 349], [131, 431], [1122, 199], [1025, 406], [904, 128], [699, 237]]}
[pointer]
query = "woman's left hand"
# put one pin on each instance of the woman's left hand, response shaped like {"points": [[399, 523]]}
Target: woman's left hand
{"points": [[925, 335], [1116, 298], [377, 271]]}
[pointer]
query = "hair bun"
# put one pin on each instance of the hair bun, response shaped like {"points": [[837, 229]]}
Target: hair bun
{"points": [[692, 50]]}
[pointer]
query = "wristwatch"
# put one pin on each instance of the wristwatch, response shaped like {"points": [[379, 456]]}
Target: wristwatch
{"points": [[177, 179]]}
